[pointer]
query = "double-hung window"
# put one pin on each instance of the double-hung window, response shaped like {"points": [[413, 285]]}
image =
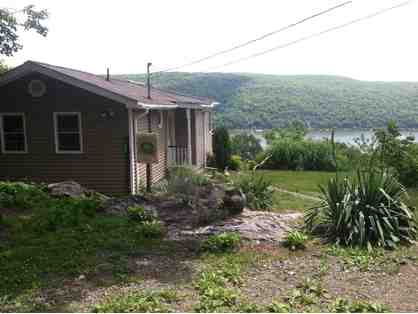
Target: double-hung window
{"points": [[68, 137], [13, 133]]}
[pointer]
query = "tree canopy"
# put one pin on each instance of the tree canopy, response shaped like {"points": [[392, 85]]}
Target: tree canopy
{"points": [[319, 101], [12, 20]]}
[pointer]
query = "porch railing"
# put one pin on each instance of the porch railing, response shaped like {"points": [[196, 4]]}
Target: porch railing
{"points": [[177, 155]]}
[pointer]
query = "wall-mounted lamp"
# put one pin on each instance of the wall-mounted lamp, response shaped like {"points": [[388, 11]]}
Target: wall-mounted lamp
{"points": [[107, 114]]}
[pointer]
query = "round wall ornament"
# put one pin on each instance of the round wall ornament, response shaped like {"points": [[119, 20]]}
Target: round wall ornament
{"points": [[36, 88], [148, 148]]}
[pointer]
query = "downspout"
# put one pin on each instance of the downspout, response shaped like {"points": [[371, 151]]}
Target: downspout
{"points": [[131, 152]]}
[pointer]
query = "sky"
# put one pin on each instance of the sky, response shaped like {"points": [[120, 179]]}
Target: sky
{"points": [[124, 35]]}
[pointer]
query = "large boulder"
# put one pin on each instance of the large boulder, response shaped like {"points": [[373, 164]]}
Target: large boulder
{"points": [[73, 189]]}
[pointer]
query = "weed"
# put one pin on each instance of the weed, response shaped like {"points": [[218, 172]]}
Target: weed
{"points": [[276, 307], [356, 257], [295, 240], [150, 230], [135, 302], [140, 214], [341, 305], [221, 243]]}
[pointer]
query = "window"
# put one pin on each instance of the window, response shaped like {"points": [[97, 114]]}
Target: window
{"points": [[68, 138], [13, 133]]}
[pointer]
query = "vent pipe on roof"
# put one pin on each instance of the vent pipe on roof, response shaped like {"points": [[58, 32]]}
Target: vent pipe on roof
{"points": [[148, 81], [108, 75]]}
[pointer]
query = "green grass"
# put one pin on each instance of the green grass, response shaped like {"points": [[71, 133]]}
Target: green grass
{"points": [[305, 182], [283, 202]]}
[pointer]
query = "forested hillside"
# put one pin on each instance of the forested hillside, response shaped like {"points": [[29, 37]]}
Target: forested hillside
{"points": [[266, 101]]}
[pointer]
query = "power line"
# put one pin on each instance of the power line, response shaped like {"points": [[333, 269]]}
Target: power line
{"points": [[312, 35], [255, 39]]}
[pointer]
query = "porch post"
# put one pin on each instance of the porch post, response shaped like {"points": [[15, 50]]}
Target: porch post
{"points": [[189, 137]]}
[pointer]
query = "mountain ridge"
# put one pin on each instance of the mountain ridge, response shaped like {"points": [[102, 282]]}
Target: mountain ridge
{"points": [[320, 101]]}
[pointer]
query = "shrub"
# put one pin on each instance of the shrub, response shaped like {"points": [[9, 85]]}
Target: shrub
{"points": [[221, 243], [290, 154], [257, 189], [247, 146], [221, 148], [21, 195], [140, 214], [295, 240], [150, 230], [184, 183], [366, 212], [235, 163], [65, 212]]}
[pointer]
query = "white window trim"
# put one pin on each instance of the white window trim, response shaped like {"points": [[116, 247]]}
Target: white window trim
{"points": [[3, 143], [57, 150]]}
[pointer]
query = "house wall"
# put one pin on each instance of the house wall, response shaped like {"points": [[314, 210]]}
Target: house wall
{"points": [[104, 163]]}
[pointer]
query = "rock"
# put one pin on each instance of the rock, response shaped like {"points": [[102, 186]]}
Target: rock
{"points": [[119, 206], [67, 188], [74, 189], [234, 201]]}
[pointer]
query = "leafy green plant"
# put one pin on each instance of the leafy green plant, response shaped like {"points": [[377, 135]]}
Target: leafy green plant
{"points": [[276, 307], [257, 189], [135, 302], [295, 240], [224, 242], [366, 212], [341, 305], [235, 163], [150, 230], [21, 195], [140, 214], [247, 146]]}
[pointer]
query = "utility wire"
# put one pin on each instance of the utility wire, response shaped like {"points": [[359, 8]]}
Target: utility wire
{"points": [[255, 39], [312, 35]]}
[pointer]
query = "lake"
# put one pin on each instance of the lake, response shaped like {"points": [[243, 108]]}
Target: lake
{"points": [[349, 136], [341, 136]]}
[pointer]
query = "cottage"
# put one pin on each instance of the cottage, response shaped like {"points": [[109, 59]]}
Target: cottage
{"points": [[59, 124]]}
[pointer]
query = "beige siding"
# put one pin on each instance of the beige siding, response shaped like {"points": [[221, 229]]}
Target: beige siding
{"points": [[158, 170], [104, 163]]}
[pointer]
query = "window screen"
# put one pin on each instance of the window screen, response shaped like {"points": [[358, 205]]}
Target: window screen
{"points": [[68, 132], [13, 133]]}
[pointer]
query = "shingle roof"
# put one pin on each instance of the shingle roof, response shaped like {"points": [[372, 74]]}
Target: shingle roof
{"points": [[129, 89]]}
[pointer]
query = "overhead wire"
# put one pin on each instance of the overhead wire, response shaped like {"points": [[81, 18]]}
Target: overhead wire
{"points": [[252, 41]]}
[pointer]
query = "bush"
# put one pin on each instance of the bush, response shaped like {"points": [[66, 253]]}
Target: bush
{"points": [[366, 212], [235, 163], [21, 195], [295, 240], [257, 189], [65, 212], [183, 183], [290, 154], [221, 148], [150, 230], [140, 214], [221, 243], [247, 146]]}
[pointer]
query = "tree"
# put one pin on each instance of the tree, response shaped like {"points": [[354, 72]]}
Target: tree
{"points": [[10, 23], [222, 148], [3, 67], [247, 146]]}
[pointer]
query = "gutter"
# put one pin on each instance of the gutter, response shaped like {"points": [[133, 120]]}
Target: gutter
{"points": [[141, 105]]}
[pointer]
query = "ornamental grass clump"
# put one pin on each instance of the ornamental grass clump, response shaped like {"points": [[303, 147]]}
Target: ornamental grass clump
{"points": [[367, 212]]}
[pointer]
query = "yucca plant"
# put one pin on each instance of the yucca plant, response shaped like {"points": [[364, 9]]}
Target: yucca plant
{"points": [[368, 211]]}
